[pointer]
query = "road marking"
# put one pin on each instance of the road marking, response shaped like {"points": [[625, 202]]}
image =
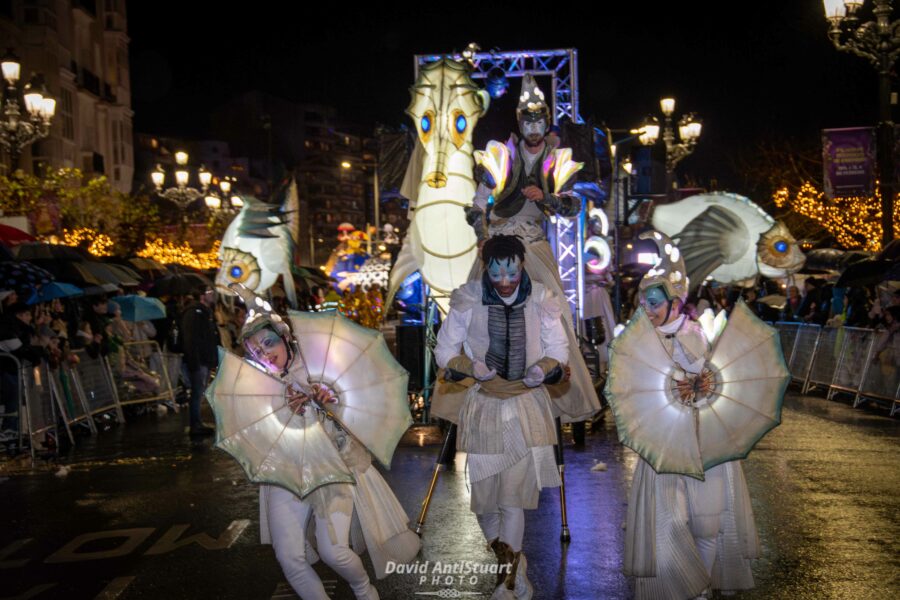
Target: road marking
{"points": [[11, 549], [38, 589], [169, 540], [133, 538], [115, 588]]}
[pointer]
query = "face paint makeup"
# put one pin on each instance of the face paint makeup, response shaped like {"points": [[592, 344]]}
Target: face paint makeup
{"points": [[658, 306], [505, 275], [533, 131], [267, 348]]}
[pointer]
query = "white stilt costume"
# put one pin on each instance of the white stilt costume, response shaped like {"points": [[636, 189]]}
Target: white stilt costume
{"points": [[503, 349], [522, 184]]}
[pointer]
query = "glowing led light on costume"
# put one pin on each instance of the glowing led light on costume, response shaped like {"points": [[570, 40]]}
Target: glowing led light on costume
{"points": [[496, 160], [648, 258], [563, 168], [596, 213], [600, 247]]}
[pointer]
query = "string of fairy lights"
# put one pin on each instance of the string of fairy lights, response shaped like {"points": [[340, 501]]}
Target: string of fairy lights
{"points": [[169, 253], [855, 222], [100, 244]]}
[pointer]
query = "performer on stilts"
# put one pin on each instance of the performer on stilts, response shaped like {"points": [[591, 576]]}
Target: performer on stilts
{"points": [[685, 536], [522, 183], [504, 341], [289, 522]]}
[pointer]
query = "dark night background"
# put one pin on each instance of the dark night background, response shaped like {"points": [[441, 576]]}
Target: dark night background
{"points": [[751, 72]]}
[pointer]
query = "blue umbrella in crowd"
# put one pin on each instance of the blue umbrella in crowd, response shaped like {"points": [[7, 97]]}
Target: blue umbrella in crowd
{"points": [[140, 308], [53, 290]]}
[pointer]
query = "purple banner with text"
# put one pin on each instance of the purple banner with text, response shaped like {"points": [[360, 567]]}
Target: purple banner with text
{"points": [[849, 160]]}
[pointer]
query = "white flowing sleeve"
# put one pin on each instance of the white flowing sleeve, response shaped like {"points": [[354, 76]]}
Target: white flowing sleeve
{"points": [[554, 341], [453, 333]]}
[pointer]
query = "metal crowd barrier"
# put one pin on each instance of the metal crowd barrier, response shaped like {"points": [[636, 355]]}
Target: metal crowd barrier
{"points": [[21, 408], [824, 359], [74, 404], [853, 359], [840, 360], [151, 380], [44, 401], [96, 386]]}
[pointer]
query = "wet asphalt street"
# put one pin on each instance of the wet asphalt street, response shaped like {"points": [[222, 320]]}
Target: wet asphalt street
{"points": [[145, 513]]}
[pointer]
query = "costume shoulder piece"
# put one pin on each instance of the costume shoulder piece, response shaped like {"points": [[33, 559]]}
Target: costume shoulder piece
{"points": [[465, 297], [559, 169], [497, 159]]}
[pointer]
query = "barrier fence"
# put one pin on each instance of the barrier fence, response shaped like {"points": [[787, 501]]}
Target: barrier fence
{"points": [[142, 374], [860, 362], [50, 399]]}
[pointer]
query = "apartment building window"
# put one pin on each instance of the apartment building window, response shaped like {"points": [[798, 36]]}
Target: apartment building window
{"points": [[66, 110], [35, 14], [117, 142]]}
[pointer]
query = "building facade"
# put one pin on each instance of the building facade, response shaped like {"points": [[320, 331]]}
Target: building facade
{"points": [[81, 48]]}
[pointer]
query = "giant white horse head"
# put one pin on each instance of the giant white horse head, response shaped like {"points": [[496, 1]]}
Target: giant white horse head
{"points": [[446, 105]]}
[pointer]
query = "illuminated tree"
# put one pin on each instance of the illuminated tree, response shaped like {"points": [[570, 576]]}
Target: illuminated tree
{"points": [[65, 206], [854, 222]]}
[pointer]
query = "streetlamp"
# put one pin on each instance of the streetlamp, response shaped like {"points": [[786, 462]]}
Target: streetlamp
{"points": [[879, 42], [224, 202], [181, 193], [18, 130], [689, 128]]}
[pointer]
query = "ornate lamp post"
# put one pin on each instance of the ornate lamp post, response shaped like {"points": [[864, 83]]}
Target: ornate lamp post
{"points": [[181, 193], [879, 42], [689, 129], [224, 202], [18, 130]]}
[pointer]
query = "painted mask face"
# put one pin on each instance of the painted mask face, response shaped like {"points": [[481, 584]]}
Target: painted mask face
{"points": [[533, 131], [267, 348], [656, 304], [505, 275]]}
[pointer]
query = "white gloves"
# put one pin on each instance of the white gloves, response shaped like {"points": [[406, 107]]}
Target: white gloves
{"points": [[534, 376], [481, 371]]}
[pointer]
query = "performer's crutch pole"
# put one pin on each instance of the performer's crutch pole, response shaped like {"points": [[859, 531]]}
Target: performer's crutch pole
{"points": [[564, 535], [440, 464]]}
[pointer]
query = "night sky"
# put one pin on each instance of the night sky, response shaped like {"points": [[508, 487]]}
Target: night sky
{"points": [[750, 75]]}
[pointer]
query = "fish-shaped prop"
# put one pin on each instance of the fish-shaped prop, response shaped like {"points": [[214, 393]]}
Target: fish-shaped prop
{"points": [[259, 244], [728, 238], [446, 105]]}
